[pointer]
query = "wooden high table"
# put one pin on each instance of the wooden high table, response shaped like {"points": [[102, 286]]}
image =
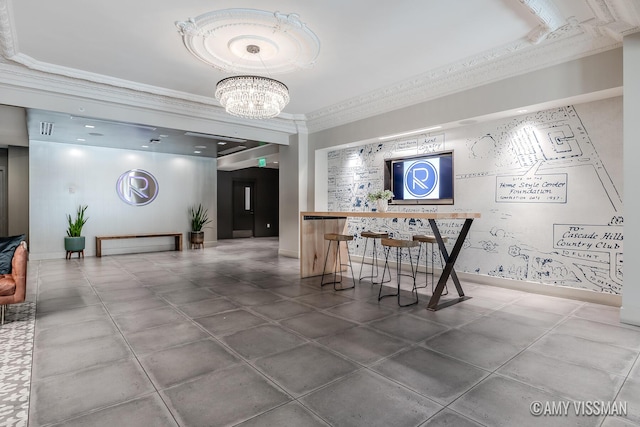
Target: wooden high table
{"points": [[314, 225]]}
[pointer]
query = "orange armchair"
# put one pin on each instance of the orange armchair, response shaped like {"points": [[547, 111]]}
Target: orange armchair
{"points": [[13, 286]]}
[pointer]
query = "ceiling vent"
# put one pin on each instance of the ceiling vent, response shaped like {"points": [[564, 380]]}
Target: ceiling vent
{"points": [[46, 128]]}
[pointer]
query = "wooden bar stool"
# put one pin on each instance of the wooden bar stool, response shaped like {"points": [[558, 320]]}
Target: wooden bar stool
{"points": [[429, 240], [372, 235], [399, 245], [335, 239]]}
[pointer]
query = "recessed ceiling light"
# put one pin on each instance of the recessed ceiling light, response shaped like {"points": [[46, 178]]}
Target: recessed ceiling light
{"points": [[163, 136], [222, 143], [197, 152], [397, 135], [145, 146], [200, 146], [89, 126], [521, 111], [468, 122], [81, 139]]}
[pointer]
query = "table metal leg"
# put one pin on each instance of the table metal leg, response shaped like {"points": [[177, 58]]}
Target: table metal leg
{"points": [[448, 270]]}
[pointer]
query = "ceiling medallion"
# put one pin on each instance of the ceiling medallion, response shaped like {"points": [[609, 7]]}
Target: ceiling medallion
{"points": [[251, 41], [221, 38]]}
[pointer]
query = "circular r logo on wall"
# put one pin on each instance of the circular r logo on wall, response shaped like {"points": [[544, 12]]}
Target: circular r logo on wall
{"points": [[137, 187], [420, 179]]}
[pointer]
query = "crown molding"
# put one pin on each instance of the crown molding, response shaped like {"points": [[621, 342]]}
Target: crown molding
{"points": [[16, 75], [569, 42], [549, 16], [7, 36], [573, 40]]}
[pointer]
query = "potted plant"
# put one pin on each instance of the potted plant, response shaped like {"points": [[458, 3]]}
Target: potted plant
{"points": [[381, 199], [74, 242], [199, 218]]}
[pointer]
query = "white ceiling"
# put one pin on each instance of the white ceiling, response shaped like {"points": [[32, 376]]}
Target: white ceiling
{"points": [[374, 56]]}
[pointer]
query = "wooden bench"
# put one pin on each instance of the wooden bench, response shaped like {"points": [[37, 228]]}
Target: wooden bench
{"points": [[99, 239]]}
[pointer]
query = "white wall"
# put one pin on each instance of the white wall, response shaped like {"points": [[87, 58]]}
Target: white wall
{"points": [[586, 79], [548, 185], [292, 190], [631, 295], [63, 176], [586, 76]]}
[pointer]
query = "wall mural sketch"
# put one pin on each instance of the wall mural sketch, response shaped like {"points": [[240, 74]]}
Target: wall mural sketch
{"points": [[547, 183]]}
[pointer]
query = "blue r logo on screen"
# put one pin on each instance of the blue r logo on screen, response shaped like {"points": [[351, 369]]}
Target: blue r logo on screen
{"points": [[420, 179]]}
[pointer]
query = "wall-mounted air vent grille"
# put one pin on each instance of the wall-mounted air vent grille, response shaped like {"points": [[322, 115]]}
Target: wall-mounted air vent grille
{"points": [[46, 128]]}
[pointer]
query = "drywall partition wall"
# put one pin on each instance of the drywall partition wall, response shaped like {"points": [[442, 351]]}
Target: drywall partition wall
{"points": [[63, 176], [586, 79], [293, 182], [547, 183], [630, 312]]}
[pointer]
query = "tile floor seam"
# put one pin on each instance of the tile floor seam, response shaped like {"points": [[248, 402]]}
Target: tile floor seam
{"points": [[98, 409], [356, 297], [563, 321], [135, 357], [554, 394]]}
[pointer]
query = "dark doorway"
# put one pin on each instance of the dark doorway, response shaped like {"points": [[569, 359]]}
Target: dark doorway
{"points": [[243, 208]]}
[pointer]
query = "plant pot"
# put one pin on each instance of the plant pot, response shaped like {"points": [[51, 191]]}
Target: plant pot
{"points": [[196, 239], [74, 244], [382, 205]]}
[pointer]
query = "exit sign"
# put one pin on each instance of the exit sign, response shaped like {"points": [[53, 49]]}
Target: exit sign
{"points": [[262, 162]]}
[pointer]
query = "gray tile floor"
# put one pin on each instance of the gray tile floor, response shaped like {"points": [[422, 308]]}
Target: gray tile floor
{"points": [[231, 335]]}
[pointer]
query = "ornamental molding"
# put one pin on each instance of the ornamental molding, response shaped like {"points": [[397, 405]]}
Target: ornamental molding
{"points": [[7, 36], [222, 39], [36, 82], [549, 16], [573, 40], [570, 42]]}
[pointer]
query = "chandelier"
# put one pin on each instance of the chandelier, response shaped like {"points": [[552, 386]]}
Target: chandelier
{"points": [[252, 97], [249, 43]]}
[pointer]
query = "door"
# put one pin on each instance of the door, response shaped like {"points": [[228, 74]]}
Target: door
{"points": [[243, 208]]}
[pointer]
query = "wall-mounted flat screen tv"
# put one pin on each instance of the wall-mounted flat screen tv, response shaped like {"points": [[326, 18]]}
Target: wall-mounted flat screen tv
{"points": [[425, 179]]}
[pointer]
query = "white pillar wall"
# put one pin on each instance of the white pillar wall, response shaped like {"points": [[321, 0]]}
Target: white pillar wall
{"points": [[64, 176], [630, 312], [293, 193]]}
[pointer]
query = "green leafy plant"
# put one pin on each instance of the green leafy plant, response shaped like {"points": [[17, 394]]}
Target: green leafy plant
{"points": [[380, 195], [199, 217], [75, 225]]}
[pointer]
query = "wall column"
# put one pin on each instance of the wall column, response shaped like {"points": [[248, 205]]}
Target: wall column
{"points": [[293, 191], [630, 312]]}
